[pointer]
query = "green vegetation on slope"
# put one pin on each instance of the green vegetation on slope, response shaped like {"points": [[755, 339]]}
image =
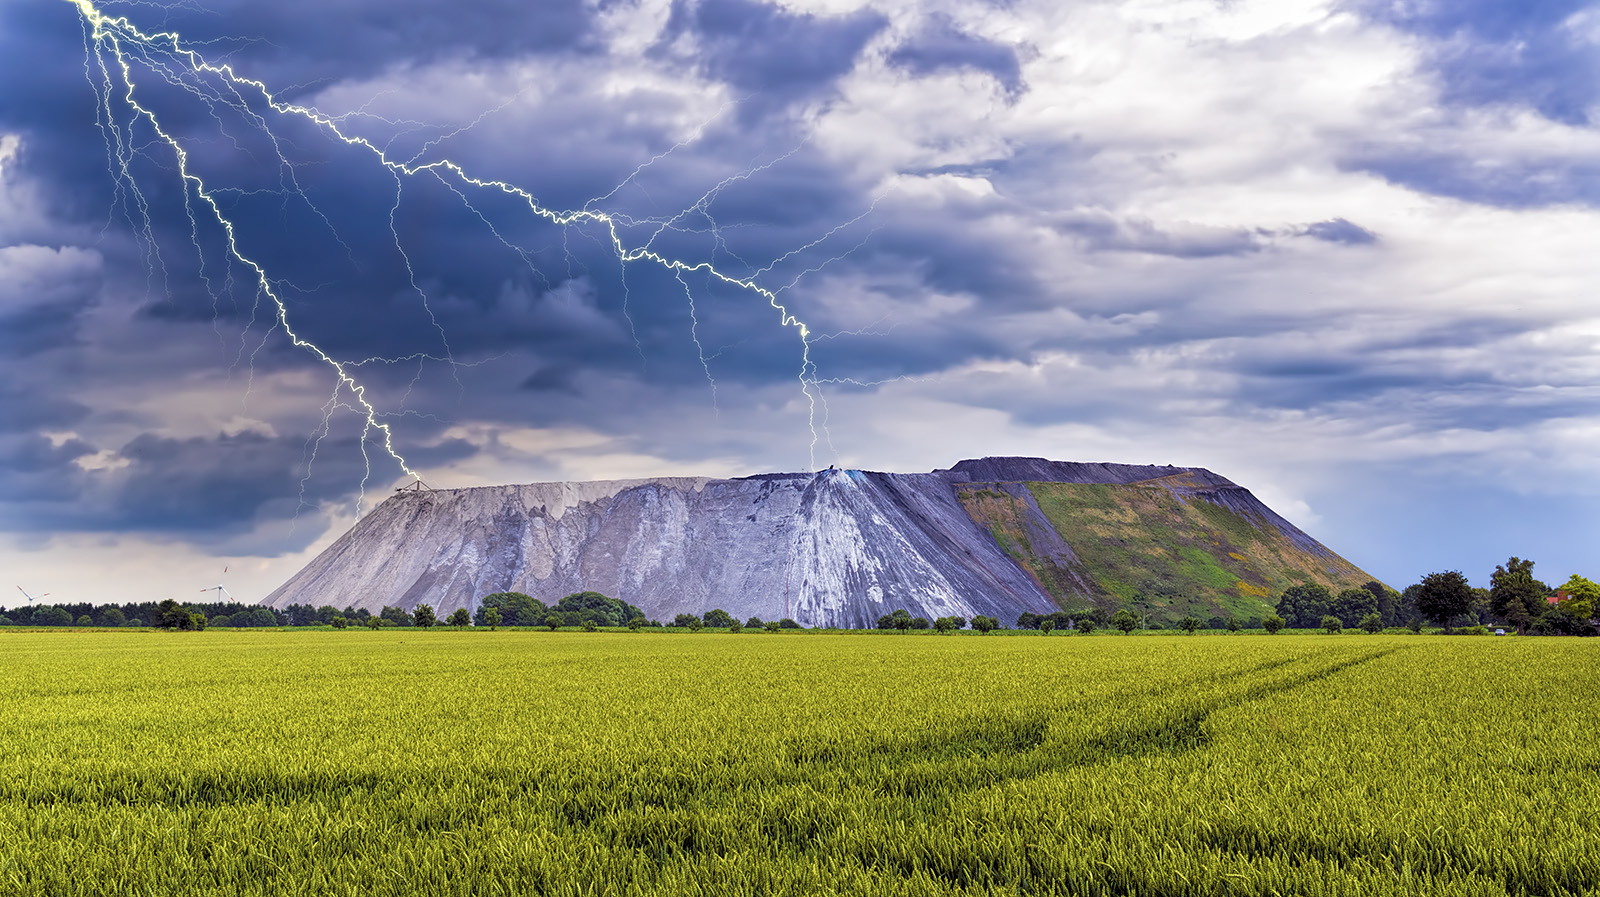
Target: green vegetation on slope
{"points": [[1140, 545], [440, 763]]}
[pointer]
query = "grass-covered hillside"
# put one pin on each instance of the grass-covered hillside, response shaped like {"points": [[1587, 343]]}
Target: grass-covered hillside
{"points": [[1160, 546]]}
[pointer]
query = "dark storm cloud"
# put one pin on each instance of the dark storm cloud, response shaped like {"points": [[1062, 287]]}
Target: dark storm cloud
{"points": [[300, 45], [775, 56], [1542, 54], [1532, 52], [941, 46], [1512, 184], [204, 488], [1338, 230]]}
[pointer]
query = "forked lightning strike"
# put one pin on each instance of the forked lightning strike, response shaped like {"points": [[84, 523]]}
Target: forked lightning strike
{"points": [[114, 46]]}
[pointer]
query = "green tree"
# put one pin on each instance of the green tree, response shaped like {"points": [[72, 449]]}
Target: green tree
{"points": [[1332, 625], [589, 625], [1086, 625], [1372, 623], [373, 623], [1189, 624], [1444, 596], [85, 620], [552, 622], [1125, 621], [985, 625], [1582, 598], [919, 623], [944, 625], [516, 609], [1046, 625], [1272, 623], [197, 621], [1302, 606], [718, 619], [460, 618], [1233, 624], [772, 626], [1354, 604], [422, 616], [491, 618], [339, 622], [958, 622], [696, 624], [754, 623], [686, 621], [112, 616], [736, 627], [169, 615], [393, 614], [1028, 620], [1515, 596], [635, 624]]}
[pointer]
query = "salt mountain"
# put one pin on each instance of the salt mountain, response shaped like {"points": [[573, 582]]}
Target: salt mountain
{"points": [[995, 536]]}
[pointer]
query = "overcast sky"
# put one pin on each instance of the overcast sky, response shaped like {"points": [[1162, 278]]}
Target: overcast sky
{"points": [[1343, 253]]}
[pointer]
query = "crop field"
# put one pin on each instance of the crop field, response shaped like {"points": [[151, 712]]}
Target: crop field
{"points": [[468, 762]]}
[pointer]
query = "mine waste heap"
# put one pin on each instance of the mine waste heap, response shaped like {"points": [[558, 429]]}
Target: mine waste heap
{"points": [[837, 548]]}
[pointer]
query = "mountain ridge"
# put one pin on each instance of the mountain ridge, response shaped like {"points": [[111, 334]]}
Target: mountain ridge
{"points": [[830, 548]]}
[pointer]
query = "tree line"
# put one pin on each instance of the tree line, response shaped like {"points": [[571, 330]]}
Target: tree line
{"points": [[1514, 599]]}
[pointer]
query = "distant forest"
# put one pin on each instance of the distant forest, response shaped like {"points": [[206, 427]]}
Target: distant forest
{"points": [[1515, 600]]}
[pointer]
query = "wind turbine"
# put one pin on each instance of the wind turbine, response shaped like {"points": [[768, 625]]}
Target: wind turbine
{"points": [[220, 589], [31, 598]]}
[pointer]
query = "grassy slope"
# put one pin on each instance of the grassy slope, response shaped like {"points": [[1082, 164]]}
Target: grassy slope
{"points": [[1141, 545], [465, 763]]}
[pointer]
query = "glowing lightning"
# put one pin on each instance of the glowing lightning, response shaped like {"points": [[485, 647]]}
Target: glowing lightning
{"points": [[114, 46]]}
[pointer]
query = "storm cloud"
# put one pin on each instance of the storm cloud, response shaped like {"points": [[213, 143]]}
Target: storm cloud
{"points": [[1297, 243]]}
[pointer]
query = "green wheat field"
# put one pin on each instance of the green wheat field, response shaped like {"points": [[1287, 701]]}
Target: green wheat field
{"points": [[447, 762]]}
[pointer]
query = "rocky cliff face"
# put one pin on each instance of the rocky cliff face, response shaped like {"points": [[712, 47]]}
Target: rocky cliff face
{"points": [[833, 548]]}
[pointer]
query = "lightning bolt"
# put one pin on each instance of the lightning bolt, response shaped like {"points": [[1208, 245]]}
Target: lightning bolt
{"points": [[119, 56]]}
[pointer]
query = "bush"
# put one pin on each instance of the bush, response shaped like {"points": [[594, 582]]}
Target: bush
{"points": [[1086, 625], [1472, 630], [1046, 625], [1189, 624], [1372, 624], [1272, 623], [919, 622], [221, 620], [985, 625], [635, 624], [718, 619], [1233, 624], [85, 620], [552, 622], [773, 626], [1125, 621], [754, 623], [339, 623], [589, 625], [1332, 625], [787, 623], [491, 618]]}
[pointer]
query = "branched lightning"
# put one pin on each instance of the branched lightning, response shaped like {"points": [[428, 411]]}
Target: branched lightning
{"points": [[115, 48]]}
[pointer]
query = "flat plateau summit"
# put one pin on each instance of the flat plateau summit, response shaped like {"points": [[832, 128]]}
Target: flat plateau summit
{"points": [[995, 536]]}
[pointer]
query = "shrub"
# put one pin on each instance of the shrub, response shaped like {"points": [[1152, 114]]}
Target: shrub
{"points": [[1189, 624], [1086, 625], [635, 624], [1272, 623], [339, 623], [754, 623], [1125, 621], [589, 625], [1332, 625], [552, 622], [985, 625], [773, 626], [1372, 623]]}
